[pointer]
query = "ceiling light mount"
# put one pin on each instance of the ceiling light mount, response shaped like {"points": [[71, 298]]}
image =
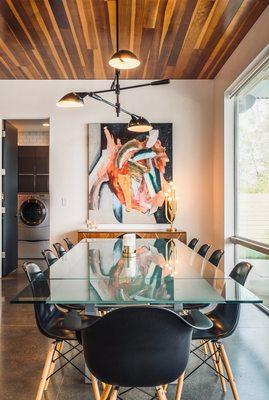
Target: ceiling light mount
{"points": [[121, 59]]}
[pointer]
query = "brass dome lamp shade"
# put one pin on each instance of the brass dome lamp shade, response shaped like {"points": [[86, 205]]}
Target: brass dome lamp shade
{"points": [[70, 100], [139, 124], [124, 59]]}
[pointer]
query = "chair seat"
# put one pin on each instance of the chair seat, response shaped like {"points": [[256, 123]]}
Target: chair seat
{"points": [[219, 329], [196, 306], [68, 326], [78, 307]]}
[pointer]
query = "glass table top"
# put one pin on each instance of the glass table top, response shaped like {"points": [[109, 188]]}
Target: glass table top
{"points": [[162, 272]]}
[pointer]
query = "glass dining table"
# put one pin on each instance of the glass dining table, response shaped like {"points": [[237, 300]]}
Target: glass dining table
{"points": [[164, 273]]}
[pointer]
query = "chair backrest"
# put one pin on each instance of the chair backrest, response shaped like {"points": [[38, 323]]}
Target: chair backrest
{"points": [[203, 250], [44, 313], [240, 272], [69, 244], [137, 346], [216, 257], [229, 313], [60, 250], [49, 257], [193, 243], [32, 271]]}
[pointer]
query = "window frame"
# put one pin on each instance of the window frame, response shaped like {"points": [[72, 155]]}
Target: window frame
{"points": [[255, 75]]}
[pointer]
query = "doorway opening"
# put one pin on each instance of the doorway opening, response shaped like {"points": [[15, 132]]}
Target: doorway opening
{"points": [[25, 198]]}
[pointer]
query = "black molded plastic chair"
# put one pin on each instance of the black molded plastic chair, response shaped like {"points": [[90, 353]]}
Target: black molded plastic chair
{"points": [[139, 347], [203, 250], [193, 243], [225, 318], [56, 325], [69, 244], [216, 257], [60, 250], [49, 257]]}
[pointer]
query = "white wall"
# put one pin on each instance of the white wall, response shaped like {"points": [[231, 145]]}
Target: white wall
{"points": [[253, 43], [187, 104]]}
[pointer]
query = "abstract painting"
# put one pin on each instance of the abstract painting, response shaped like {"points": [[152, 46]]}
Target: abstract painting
{"points": [[129, 173]]}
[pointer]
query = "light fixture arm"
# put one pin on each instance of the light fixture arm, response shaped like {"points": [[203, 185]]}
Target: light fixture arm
{"points": [[115, 87], [153, 83], [95, 96]]}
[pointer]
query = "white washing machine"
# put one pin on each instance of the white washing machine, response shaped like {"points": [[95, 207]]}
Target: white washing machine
{"points": [[33, 225]]}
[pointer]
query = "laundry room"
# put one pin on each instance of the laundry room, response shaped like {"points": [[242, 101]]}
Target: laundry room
{"points": [[26, 229]]}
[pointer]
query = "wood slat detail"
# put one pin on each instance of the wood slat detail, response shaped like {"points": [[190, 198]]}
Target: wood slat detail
{"points": [[74, 39]]}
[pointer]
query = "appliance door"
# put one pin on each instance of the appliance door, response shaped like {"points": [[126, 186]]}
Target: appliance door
{"points": [[32, 212]]}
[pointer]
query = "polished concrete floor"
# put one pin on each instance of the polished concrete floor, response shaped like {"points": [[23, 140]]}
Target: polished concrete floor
{"points": [[23, 352]]}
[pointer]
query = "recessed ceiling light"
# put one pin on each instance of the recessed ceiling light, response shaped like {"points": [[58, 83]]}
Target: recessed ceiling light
{"points": [[46, 124]]}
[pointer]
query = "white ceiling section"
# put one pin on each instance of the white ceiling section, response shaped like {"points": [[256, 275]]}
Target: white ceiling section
{"points": [[30, 125]]}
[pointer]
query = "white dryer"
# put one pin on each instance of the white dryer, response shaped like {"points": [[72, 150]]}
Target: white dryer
{"points": [[33, 225]]}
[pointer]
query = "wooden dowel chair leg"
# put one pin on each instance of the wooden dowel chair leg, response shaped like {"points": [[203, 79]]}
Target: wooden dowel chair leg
{"points": [[105, 392], [229, 371], [59, 346], [214, 358], [160, 393], [95, 387], [46, 370], [220, 368], [204, 347], [179, 390], [114, 394], [165, 387]]}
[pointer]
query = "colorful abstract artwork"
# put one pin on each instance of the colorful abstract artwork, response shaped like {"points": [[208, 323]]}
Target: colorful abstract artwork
{"points": [[129, 173]]}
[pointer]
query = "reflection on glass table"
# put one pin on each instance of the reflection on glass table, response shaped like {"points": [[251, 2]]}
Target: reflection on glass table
{"points": [[258, 280], [163, 272]]}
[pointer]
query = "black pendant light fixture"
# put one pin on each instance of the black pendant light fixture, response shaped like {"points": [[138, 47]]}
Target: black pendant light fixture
{"points": [[121, 59]]}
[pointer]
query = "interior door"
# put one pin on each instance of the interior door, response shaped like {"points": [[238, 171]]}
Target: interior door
{"points": [[10, 195]]}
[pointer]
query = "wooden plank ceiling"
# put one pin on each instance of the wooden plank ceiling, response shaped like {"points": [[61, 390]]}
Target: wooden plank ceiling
{"points": [[74, 39]]}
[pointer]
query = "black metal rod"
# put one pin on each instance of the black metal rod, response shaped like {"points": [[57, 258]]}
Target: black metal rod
{"points": [[117, 91], [117, 25], [164, 81], [69, 361], [205, 362], [99, 98]]}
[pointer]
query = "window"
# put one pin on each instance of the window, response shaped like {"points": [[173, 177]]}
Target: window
{"points": [[252, 139], [252, 177]]}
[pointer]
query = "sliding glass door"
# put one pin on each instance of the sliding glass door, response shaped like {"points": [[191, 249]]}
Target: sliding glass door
{"points": [[252, 180]]}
